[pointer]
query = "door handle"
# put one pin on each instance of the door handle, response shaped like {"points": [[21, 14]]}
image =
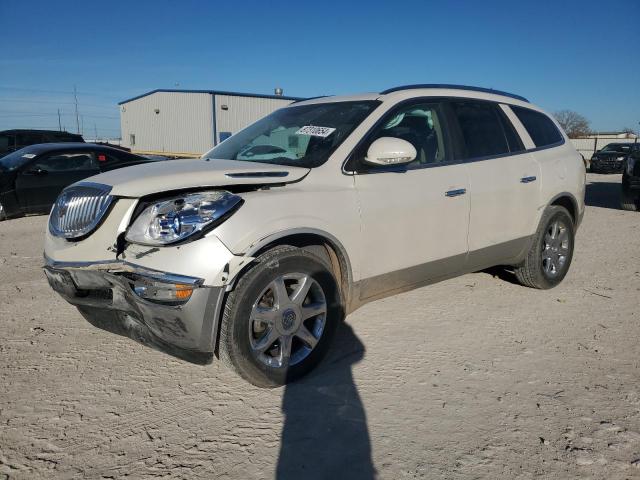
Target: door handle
{"points": [[455, 193], [527, 179]]}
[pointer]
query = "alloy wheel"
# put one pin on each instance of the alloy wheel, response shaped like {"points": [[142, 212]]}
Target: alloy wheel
{"points": [[287, 320], [555, 248]]}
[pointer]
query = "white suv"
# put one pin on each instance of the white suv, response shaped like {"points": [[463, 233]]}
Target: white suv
{"points": [[257, 250]]}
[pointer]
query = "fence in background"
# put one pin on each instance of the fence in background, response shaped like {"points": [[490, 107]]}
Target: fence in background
{"points": [[587, 146]]}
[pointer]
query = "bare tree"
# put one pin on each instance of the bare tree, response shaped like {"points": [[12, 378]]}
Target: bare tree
{"points": [[573, 123]]}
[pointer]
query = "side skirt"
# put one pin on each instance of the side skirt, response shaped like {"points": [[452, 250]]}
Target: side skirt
{"points": [[399, 281]]}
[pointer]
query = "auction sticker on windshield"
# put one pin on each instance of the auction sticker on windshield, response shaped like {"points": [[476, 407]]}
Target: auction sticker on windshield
{"points": [[323, 132]]}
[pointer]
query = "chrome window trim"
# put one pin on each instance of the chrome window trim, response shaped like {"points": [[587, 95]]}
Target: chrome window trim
{"points": [[400, 168]]}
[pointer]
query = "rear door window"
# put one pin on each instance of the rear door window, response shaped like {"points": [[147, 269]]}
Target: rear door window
{"points": [[26, 139], [541, 128], [482, 129]]}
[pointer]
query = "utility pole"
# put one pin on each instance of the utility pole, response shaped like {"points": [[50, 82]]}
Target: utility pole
{"points": [[75, 96], [82, 123], [59, 122], [95, 131]]}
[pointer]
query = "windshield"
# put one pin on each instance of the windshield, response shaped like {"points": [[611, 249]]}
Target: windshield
{"points": [[16, 159], [617, 147], [302, 136]]}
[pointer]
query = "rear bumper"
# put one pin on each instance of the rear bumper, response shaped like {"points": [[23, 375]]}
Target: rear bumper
{"points": [[104, 295]]}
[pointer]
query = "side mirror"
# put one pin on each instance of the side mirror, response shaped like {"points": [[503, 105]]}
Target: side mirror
{"points": [[390, 151]]}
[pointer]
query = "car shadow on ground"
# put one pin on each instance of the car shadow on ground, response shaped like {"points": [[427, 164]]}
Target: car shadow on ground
{"points": [[504, 273], [325, 432], [603, 195]]}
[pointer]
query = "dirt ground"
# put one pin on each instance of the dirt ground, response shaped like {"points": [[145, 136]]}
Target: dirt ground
{"points": [[475, 377]]}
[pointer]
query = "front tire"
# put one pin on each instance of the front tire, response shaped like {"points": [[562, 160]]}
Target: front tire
{"points": [[279, 320], [628, 201], [551, 251]]}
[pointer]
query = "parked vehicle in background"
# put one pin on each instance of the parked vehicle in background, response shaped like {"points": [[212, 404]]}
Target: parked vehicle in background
{"points": [[12, 140], [32, 177], [258, 250], [611, 158], [630, 188]]}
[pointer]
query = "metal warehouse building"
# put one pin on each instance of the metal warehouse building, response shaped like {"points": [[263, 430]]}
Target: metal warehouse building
{"points": [[190, 122]]}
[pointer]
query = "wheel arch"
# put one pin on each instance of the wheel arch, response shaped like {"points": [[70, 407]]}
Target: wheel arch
{"points": [[308, 238], [568, 201]]}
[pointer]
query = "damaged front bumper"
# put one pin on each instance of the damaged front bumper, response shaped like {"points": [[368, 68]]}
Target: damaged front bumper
{"points": [[175, 314]]}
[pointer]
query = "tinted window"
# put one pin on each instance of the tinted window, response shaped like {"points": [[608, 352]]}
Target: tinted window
{"points": [[65, 162], [16, 159], [541, 128], [106, 159], [617, 147], [481, 129], [25, 139], [59, 137]]}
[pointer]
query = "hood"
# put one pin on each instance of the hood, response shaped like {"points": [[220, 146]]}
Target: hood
{"points": [[156, 177], [610, 154]]}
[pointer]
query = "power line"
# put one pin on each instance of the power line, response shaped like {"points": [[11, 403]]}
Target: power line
{"points": [[52, 127], [21, 100], [58, 92], [31, 114]]}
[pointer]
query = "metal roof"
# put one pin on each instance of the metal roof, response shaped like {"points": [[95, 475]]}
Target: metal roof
{"points": [[454, 87], [212, 92]]}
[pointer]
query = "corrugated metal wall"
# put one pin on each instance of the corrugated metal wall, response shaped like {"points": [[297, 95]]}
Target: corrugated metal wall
{"points": [[242, 111], [587, 146], [183, 124]]}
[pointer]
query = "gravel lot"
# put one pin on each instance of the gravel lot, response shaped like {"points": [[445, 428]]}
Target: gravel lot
{"points": [[475, 377]]}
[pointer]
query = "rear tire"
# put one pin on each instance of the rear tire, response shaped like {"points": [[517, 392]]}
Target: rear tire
{"points": [[279, 320], [551, 251], [3, 214]]}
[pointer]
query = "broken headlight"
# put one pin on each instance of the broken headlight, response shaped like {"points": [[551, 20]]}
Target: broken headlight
{"points": [[172, 220]]}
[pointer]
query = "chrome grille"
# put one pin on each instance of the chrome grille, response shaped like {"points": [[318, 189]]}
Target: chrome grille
{"points": [[79, 209]]}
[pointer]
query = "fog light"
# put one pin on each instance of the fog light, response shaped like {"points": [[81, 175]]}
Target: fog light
{"points": [[161, 292]]}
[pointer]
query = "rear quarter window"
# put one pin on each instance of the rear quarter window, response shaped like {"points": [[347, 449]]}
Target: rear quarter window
{"points": [[541, 128]]}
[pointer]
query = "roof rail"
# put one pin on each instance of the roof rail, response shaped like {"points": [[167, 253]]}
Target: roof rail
{"points": [[454, 87], [309, 98]]}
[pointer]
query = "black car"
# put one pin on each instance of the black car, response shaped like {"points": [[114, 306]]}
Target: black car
{"points": [[631, 181], [13, 140], [32, 177], [611, 158]]}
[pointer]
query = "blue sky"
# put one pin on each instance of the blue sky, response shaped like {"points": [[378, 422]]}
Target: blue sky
{"points": [[579, 55]]}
